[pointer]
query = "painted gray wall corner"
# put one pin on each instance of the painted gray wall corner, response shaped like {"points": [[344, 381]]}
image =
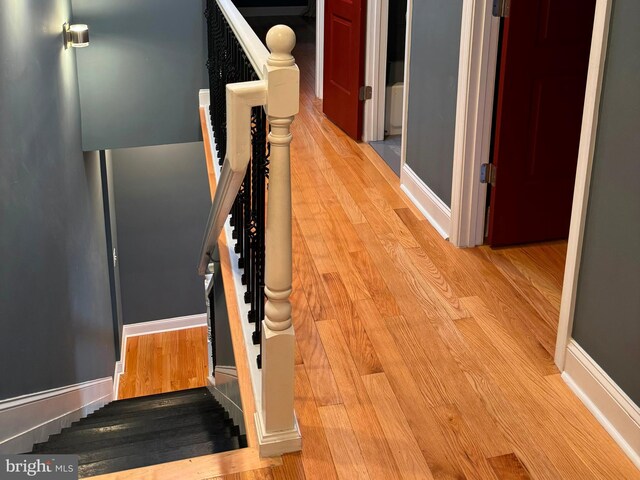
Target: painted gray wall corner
{"points": [[162, 202], [433, 90], [139, 78], [607, 313], [55, 313]]}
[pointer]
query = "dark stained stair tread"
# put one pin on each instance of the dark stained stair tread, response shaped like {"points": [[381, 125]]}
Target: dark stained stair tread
{"points": [[117, 430], [143, 431], [144, 459], [74, 447], [151, 415]]}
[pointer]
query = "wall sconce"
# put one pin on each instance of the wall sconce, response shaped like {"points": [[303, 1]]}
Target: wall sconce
{"points": [[76, 36]]}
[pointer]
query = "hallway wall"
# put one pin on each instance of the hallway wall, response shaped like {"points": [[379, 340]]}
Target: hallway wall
{"points": [[607, 313], [139, 78], [55, 312], [162, 203], [435, 52]]}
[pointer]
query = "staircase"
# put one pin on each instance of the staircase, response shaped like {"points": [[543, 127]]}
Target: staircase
{"points": [[148, 430]]}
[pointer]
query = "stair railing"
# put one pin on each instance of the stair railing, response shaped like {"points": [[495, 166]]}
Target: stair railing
{"points": [[251, 88]]}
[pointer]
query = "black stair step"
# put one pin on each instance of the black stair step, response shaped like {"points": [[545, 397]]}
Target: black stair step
{"points": [[155, 457], [62, 446], [195, 392], [150, 416], [116, 431], [168, 442], [115, 408]]}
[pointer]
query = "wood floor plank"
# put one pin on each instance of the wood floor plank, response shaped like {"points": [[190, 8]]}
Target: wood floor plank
{"points": [[291, 468], [405, 449], [373, 445], [350, 323], [310, 279], [509, 467], [344, 447], [316, 460], [320, 376], [542, 406]]}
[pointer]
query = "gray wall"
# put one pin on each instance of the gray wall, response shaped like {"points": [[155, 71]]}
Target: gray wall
{"points": [[140, 76], [55, 314], [607, 315], [162, 203], [435, 51]]}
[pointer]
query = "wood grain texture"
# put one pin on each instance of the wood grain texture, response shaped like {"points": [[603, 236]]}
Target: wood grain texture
{"points": [[509, 467], [159, 363], [442, 368]]}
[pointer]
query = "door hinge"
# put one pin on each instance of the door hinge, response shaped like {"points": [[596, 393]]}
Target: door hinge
{"points": [[366, 93], [501, 8], [488, 174]]}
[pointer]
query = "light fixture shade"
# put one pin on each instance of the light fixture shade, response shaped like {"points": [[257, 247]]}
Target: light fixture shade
{"points": [[76, 35]]}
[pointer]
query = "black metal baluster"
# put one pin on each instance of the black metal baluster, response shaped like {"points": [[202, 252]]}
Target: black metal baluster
{"points": [[228, 63]]}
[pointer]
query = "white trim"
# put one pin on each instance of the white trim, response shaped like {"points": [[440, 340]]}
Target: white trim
{"points": [[375, 69], [203, 97], [272, 11], [149, 328], [274, 444], [30, 419], [617, 413], [583, 176], [474, 115], [407, 83], [164, 325], [320, 49], [434, 209]]}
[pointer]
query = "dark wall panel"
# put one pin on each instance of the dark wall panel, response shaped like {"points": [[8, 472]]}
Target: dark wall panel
{"points": [[162, 203], [55, 313], [140, 76], [607, 314]]}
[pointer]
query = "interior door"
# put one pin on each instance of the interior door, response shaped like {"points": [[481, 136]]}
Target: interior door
{"points": [[542, 78], [344, 48]]}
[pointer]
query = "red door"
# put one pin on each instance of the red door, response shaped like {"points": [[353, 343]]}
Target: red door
{"points": [[542, 79], [344, 29]]}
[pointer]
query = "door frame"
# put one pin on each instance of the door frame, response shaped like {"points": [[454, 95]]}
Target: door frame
{"points": [[377, 20], [474, 118]]}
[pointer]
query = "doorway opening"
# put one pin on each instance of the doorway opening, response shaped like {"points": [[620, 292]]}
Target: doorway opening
{"points": [[390, 147]]}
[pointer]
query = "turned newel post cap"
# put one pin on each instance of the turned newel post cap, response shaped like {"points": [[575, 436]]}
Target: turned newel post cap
{"points": [[281, 40]]}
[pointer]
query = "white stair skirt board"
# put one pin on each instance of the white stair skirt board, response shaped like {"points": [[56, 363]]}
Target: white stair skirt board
{"points": [[30, 419], [434, 209], [225, 388], [148, 328], [283, 443], [617, 413]]}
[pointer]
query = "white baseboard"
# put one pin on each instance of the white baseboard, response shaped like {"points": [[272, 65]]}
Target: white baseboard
{"points": [[149, 328], [434, 209], [30, 419], [273, 11], [203, 97], [617, 413]]}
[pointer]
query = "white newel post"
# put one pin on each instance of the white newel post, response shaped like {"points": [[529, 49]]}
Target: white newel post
{"points": [[275, 419]]}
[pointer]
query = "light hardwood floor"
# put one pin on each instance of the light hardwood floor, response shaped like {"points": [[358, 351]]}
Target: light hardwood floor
{"points": [[164, 362], [416, 359]]}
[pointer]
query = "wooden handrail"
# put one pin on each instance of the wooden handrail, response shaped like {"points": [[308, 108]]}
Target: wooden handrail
{"points": [[240, 98]]}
